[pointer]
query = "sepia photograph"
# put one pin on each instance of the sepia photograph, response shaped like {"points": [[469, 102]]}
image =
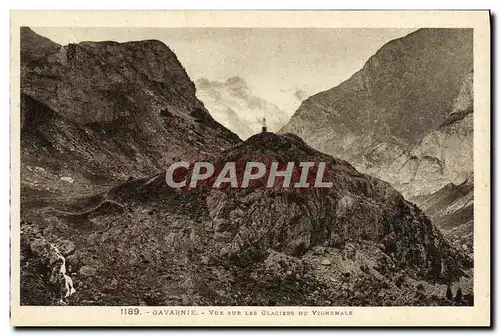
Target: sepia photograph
{"points": [[263, 168]]}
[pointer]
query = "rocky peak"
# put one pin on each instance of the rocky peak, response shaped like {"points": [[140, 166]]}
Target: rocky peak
{"points": [[34, 46], [116, 109], [236, 81], [293, 220], [102, 81]]}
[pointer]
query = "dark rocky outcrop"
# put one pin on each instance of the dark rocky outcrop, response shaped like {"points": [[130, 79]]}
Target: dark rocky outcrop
{"points": [[359, 242]]}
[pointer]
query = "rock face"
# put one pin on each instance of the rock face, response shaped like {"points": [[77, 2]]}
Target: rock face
{"points": [[403, 115], [443, 156], [105, 111], [233, 104]]}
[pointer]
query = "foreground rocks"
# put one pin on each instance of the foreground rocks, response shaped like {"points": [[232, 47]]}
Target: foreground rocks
{"points": [[358, 243]]}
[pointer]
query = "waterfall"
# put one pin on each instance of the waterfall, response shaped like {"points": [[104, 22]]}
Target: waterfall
{"points": [[68, 282]]}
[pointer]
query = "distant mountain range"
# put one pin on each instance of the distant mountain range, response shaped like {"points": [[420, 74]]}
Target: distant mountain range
{"points": [[233, 104]]}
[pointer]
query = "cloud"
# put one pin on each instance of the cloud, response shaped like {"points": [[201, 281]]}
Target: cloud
{"points": [[301, 95]]}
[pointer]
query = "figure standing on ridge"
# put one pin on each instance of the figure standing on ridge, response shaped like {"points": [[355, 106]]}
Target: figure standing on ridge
{"points": [[264, 127]]}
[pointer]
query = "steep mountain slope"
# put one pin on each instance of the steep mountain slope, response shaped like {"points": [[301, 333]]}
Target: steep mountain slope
{"points": [[98, 112], [143, 243], [403, 93], [451, 208], [443, 156], [233, 104]]}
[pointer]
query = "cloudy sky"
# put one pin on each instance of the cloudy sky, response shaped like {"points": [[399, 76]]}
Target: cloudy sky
{"points": [[275, 62]]}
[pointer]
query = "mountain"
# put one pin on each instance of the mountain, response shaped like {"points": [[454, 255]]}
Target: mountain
{"points": [[443, 156], [144, 243], [34, 46], [233, 104], [96, 113], [402, 116]]}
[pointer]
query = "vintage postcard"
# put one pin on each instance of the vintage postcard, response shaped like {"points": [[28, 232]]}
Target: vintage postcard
{"points": [[255, 168]]}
